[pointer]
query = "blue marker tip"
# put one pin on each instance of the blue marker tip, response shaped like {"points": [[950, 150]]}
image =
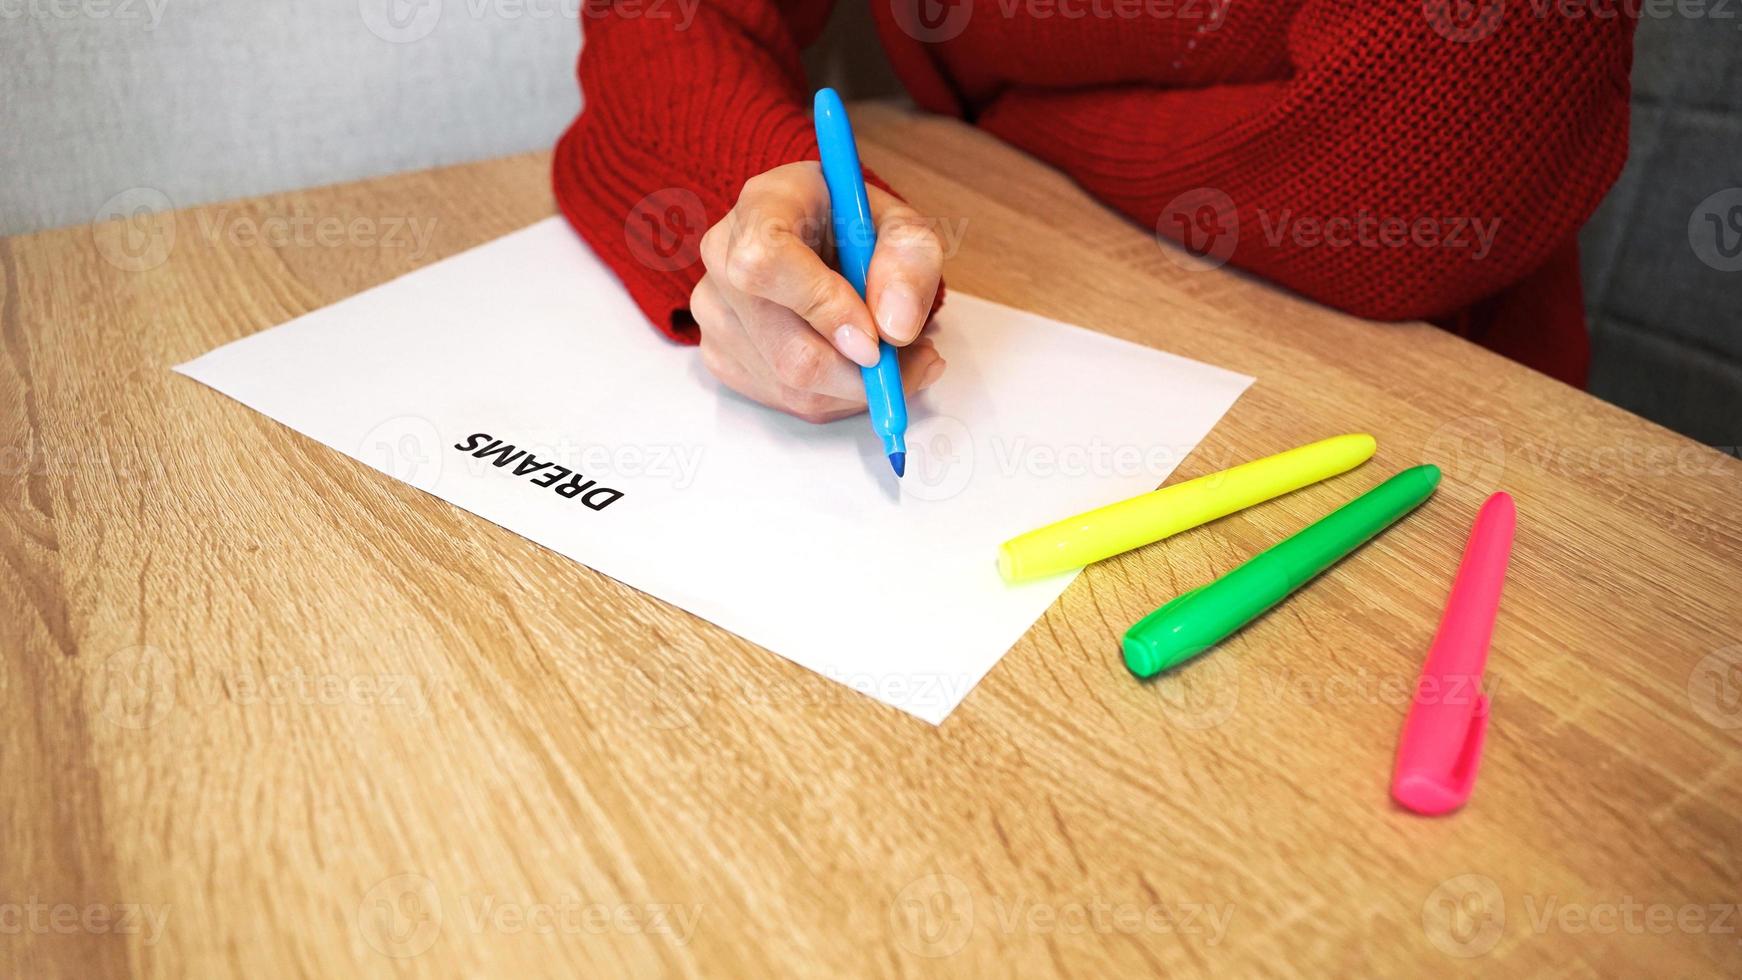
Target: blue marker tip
{"points": [[899, 461]]}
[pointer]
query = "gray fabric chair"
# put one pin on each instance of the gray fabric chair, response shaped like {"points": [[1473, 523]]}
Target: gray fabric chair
{"points": [[1663, 255]]}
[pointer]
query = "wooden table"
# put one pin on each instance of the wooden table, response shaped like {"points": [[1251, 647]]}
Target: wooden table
{"points": [[268, 710]]}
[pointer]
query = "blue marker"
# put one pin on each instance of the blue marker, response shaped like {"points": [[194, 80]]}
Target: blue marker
{"points": [[855, 239]]}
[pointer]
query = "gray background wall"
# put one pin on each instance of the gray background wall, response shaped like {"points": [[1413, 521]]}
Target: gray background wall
{"points": [[205, 100]]}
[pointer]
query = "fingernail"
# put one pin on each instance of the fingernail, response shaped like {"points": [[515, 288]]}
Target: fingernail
{"points": [[856, 347], [933, 373], [898, 313]]}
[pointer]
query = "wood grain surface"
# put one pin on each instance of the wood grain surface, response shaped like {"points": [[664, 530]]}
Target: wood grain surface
{"points": [[270, 712]]}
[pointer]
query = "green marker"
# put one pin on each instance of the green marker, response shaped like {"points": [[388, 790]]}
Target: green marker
{"points": [[1207, 615]]}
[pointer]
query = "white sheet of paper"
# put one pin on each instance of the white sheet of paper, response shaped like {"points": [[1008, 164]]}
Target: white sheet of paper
{"points": [[794, 536]]}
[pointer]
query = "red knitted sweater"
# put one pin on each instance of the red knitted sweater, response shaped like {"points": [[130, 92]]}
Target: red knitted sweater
{"points": [[1385, 157]]}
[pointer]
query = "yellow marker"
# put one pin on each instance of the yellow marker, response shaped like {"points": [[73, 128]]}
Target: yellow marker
{"points": [[1118, 528]]}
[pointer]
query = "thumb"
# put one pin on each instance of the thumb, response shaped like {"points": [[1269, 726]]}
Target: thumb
{"points": [[905, 269]]}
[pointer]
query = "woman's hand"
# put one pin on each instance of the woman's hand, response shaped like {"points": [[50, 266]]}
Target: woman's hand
{"points": [[779, 326]]}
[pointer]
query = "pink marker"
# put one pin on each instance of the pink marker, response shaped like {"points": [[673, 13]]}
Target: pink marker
{"points": [[1442, 738]]}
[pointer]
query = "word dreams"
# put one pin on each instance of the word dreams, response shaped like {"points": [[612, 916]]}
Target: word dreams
{"points": [[565, 482]]}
